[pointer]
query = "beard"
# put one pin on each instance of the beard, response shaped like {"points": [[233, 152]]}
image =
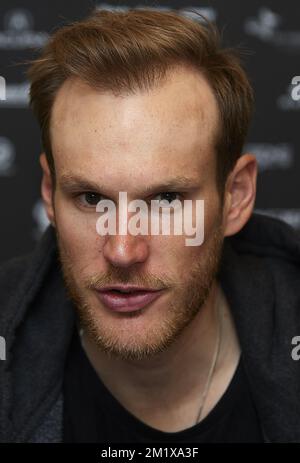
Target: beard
{"points": [[138, 335]]}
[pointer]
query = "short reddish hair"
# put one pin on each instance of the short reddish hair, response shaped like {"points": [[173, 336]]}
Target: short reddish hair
{"points": [[127, 51]]}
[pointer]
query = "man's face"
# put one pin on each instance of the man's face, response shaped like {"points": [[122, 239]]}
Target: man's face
{"points": [[103, 144]]}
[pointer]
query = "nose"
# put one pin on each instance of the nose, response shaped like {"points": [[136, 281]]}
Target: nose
{"points": [[125, 250]]}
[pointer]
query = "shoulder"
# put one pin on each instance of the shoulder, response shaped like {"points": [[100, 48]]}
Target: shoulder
{"points": [[12, 273], [22, 275]]}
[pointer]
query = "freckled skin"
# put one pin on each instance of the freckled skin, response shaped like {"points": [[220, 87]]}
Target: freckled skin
{"points": [[127, 143], [123, 143]]}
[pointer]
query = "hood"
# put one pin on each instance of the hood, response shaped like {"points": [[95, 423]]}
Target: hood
{"points": [[260, 275]]}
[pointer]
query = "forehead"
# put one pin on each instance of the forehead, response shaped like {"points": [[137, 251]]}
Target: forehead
{"points": [[171, 127]]}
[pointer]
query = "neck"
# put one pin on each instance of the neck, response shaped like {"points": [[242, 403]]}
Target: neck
{"points": [[175, 378]]}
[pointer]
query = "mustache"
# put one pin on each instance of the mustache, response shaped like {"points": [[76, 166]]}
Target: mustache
{"points": [[120, 276], [116, 276]]}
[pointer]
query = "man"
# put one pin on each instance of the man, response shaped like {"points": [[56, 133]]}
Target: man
{"points": [[124, 337]]}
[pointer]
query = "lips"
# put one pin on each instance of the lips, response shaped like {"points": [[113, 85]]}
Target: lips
{"points": [[127, 299]]}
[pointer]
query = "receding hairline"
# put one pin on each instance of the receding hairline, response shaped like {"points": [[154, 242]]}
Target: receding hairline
{"points": [[177, 69]]}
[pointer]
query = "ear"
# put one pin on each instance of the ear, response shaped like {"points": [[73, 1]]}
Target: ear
{"points": [[240, 193], [47, 189]]}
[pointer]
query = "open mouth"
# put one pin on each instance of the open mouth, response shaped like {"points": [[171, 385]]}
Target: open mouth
{"points": [[123, 300]]}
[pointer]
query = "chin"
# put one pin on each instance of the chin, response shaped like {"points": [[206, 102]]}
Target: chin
{"points": [[132, 335]]}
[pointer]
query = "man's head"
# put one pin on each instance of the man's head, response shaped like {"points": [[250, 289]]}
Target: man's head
{"points": [[147, 103]]}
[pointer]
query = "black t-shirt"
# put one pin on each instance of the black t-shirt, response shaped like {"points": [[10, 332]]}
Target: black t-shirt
{"points": [[92, 414]]}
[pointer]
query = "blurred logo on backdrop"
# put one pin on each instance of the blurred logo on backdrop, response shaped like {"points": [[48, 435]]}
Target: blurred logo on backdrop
{"points": [[266, 26], [40, 219], [7, 157], [17, 95], [189, 11], [276, 156], [18, 31], [272, 156]]}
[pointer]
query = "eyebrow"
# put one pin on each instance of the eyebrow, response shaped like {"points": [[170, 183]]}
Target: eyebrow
{"points": [[73, 183], [177, 183], [70, 183]]}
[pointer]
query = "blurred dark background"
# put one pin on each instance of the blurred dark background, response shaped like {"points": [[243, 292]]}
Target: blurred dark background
{"points": [[268, 32]]}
